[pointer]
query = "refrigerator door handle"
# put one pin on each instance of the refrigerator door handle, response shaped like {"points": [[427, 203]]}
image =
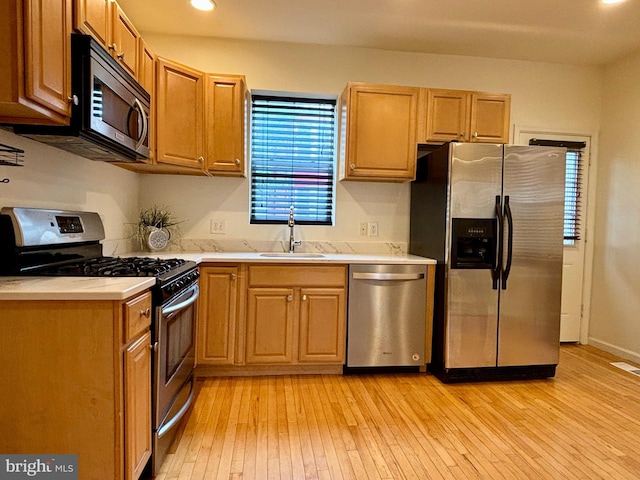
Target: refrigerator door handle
{"points": [[507, 268], [495, 272]]}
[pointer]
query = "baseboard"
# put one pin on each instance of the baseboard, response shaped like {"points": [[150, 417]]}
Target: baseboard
{"points": [[615, 350]]}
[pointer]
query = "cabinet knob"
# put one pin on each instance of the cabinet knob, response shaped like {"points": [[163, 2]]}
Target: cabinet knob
{"points": [[233, 276], [120, 55], [463, 135], [201, 159], [304, 298], [289, 298], [475, 134], [237, 161], [352, 166], [73, 100], [154, 346], [113, 47], [146, 312]]}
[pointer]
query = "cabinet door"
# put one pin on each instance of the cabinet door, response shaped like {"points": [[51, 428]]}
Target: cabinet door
{"points": [[447, 116], [217, 315], [137, 408], [225, 121], [124, 41], [179, 119], [381, 132], [270, 323], [47, 51], [322, 325], [490, 117], [93, 17]]}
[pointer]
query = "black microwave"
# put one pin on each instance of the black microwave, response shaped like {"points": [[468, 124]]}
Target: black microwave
{"points": [[110, 113]]}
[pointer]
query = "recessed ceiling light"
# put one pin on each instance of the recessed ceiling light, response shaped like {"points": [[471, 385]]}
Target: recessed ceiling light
{"points": [[204, 5], [611, 2]]}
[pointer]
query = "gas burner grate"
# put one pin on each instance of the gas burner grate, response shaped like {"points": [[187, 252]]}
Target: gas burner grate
{"points": [[121, 267]]}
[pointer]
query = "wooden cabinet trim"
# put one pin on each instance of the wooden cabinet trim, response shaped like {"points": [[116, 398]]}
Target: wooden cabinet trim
{"points": [[297, 275]]}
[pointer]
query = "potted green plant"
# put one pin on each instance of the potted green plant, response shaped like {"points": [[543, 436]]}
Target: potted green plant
{"points": [[156, 224]]}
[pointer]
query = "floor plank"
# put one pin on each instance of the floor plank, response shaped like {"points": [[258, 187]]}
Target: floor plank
{"points": [[582, 424]]}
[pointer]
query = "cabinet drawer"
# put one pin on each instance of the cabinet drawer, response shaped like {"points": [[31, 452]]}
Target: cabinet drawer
{"points": [[297, 275], [137, 316]]}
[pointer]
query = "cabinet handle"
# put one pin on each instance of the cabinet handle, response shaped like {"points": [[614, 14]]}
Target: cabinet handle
{"points": [[120, 55], [146, 312], [237, 161], [113, 47], [475, 134], [233, 276], [73, 100], [352, 166], [289, 298], [304, 298]]}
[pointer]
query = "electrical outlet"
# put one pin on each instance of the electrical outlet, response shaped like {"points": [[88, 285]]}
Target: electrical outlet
{"points": [[218, 226], [364, 229], [373, 229]]}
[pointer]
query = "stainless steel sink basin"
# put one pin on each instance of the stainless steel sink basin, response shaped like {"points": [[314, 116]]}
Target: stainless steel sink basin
{"points": [[292, 255]]}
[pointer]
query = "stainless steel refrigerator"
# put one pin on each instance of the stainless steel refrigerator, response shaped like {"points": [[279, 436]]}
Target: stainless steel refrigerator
{"points": [[492, 217]]}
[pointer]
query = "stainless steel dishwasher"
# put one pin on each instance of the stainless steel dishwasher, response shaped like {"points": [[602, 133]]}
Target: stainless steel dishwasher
{"points": [[387, 316]]}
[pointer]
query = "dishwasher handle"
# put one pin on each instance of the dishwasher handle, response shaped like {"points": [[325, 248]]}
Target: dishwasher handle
{"points": [[387, 276]]}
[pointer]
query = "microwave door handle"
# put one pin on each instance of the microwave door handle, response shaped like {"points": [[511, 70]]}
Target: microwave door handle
{"points": [[145, 122]]}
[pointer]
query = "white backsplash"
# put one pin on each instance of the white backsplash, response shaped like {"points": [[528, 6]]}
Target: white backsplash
{"points": [[242, 245]]}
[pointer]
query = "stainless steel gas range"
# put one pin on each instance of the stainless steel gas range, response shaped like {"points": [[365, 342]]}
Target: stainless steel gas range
{"points": [[67, 243]]}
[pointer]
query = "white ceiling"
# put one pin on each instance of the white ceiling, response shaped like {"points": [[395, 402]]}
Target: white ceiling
{"points": [[583, 32]]}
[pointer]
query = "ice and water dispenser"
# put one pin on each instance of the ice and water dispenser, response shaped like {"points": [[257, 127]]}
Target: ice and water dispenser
{"points": [[473, 243]]}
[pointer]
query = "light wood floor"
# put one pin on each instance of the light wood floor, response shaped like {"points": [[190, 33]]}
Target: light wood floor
{"points": [[584, 424]]}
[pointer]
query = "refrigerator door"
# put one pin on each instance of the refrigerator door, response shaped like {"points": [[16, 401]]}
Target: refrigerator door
{"points": [[529, 326], [471, 312]]}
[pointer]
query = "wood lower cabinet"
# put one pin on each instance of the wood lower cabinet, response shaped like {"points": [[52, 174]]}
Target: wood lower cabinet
{"points": [[77, 379], [378, 132], [296, 314], [464, 116], [218, 315], [35, 61]]}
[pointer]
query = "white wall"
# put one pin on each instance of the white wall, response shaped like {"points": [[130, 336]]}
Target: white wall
{"points": [[52, 178], [561, 97], [615, 298]]}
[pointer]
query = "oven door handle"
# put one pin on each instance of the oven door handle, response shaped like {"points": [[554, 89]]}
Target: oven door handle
{"points": [[180, 413], [195, 293]]}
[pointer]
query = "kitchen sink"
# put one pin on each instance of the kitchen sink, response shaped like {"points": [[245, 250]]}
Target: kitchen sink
{"points": [[292, 255]]}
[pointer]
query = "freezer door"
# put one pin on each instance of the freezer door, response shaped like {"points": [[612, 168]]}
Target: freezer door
{"points": [[471, 304], [529, 326]]}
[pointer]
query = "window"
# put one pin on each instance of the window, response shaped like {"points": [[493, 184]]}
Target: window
{"points": [[292, 159], [572, 187]]}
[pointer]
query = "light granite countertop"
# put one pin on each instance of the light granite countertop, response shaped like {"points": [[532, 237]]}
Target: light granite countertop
{"points": [[120, 288]]}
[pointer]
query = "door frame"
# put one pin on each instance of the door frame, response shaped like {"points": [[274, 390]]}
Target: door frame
{"points": [[589, 188]]}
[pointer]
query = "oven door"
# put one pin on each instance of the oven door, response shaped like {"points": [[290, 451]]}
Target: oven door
{"points": [[175, 354]]}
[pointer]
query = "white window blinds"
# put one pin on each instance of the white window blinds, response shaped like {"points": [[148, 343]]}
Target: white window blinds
{"points": [[573, 185], [292, 159]]}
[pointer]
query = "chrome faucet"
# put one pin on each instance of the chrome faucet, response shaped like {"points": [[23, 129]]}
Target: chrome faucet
{"points": [[292, 242]]}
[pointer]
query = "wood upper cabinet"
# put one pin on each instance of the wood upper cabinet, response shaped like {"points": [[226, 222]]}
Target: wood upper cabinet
{"points": [[217, 315], [147, 79], [35, 61], [105, 21], [180, 116], [296, 314], [226, 111], [124, 44], [378, 132], [463, 116], [93, 17]]}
